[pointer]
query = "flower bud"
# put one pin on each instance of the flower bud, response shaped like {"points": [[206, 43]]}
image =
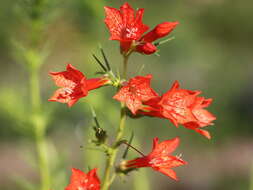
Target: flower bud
{"points": [[147, 48], [159, 31]]}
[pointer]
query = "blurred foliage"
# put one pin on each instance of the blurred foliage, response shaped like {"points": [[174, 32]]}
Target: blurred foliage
{"points": [[212, 51]]}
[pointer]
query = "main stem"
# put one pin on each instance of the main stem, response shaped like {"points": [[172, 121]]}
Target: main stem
{"points": [[39, 129], [112, 153], [125, 63]]}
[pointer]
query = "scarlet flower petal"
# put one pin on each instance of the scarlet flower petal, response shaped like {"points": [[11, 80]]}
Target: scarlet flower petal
{"points": [[133, 26], [66, 95], [72, 102], [204, 133], [204, 117], [67, 78], [80, 180], [114, 23], [165, 147], [127, 13], [140, 28], [135, 92], [168, 172]]}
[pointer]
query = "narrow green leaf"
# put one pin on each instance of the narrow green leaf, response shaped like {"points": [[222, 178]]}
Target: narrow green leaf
{"points": [[99, 62], [94, 115], [105, 59]]}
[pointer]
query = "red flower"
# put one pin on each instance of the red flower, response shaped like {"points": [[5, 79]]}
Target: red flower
{"points": [[81, 181], [135, 92], [183, 107], [160, 158], [126, 26], [74, 85]]}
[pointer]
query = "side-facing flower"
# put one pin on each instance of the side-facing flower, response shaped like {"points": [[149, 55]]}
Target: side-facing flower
{"points": [[160, 158], [74, 85], [82, 181], [126, 26], [183, 107], [135, 92]]}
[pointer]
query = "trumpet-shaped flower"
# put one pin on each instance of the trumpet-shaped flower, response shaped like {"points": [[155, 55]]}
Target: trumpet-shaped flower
{"points": [[160, 158], [127, 27], [74, 85], [183, 107]]}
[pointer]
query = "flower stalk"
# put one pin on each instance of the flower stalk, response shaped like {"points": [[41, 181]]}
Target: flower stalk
{"points": [[108, 179], [125, 64]]}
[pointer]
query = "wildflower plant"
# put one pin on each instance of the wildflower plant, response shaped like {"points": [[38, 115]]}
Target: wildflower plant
{"points": [[137, 99], [35, 15]]}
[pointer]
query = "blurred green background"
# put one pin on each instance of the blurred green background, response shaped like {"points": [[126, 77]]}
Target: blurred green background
{"points": [[212, 52]]}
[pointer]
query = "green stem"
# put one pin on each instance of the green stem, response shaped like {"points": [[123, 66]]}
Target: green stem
{"points": [[39, 129], [121, 125], [38, 119], [41, 146], [112, 153], [125, 64], [109, 165], [35, 90]]}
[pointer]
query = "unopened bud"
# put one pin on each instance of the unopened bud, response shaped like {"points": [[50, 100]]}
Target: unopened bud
{"points": [[147, 48], [160, 31]]}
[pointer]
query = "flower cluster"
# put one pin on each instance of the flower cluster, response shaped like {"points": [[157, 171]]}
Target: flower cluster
{"points": [[179, 106]]}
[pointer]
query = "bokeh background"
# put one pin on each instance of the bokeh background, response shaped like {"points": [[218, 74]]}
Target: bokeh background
{"points": [[211, 52]]}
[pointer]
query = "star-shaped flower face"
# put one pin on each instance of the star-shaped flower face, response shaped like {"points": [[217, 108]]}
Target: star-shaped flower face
{"points": [[123, 24], [160, 158], [135, 92], [81, 181], [126, 26], [74, 85]]}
